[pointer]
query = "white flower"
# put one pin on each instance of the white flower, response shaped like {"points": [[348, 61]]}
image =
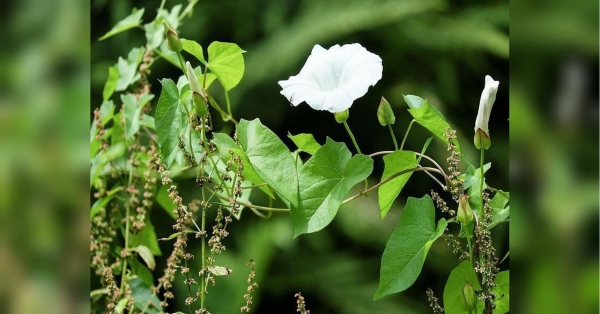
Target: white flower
{"points": [[488, 96], [332, 79]]}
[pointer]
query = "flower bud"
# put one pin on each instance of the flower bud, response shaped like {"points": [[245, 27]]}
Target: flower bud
{"points": [[488, 96], [199, 104], [469, 296], [465, 213], [482, 140], [385, 115], [193, 79], [342, 116], [173, 42]]}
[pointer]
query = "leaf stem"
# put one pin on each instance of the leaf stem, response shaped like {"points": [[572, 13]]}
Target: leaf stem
{"points": [[393, 136], [228, 103], [406, 134], [352, 136], [187, 9], [129, 181], [388, 180]]}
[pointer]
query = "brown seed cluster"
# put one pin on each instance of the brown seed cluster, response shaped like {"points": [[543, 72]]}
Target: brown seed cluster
{"points": [[487, 269], [433, 302], [251, 286], [301, 304]]}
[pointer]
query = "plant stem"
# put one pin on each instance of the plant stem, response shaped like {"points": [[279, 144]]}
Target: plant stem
{"points": [[203, 281], [352, 137], [228, 104], [388, 180], [393, 136], [129, 180], [357, 149], [406, 134], [180, 58], [187, 9]]}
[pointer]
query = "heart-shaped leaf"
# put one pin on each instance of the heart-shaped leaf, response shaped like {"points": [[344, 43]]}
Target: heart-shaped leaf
{"points": [[227, 62], [407, 248], [270, 159], [325, 180]]}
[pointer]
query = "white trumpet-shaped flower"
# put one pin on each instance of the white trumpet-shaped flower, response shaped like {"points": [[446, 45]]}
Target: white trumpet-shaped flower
{"points": [[333, 78], [488, 96]]}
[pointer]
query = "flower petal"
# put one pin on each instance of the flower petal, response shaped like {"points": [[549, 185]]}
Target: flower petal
{"points": [[332, 79]]}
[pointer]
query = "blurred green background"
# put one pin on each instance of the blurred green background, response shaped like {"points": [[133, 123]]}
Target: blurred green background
{"points": [[435, 49], [432, 49]]}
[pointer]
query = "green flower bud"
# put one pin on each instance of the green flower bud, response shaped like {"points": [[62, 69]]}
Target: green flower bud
{"points": [[342, 116], [482, 139], [173, 42], [199, 104], [385, 115], [469, 296], [465, 213]]}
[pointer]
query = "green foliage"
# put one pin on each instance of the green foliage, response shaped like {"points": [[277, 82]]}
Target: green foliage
{"points": [[395, 162], [305, 143], [408, 246], [226, 61], [227, 169], [131, 21], [429, 117], [143, 297], [454, 302], [270, 158], [168, 120], [325, 180]]}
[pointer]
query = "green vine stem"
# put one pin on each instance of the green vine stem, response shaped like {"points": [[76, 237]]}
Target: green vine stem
{"points": [[123, 272], [393, 136], [406, 134]]}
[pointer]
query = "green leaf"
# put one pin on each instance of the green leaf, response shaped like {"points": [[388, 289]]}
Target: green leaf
{"points": [[146, 255], [121, 305], [143, 296], [155, 33], [225, 144], [502, 292], [128, 69], [473, 179], [395, 162], [162, 198], [168, 120], [454, 302], [146, 237], [193, 48], [413, 101], [133, 110], [131, 21], [107, 110], [270, 158], [429, 117], [142, 272], [168, 55], [111, 82], [305, 142], [227, 62], [408, 246], [500, 210], [103, 201], [325, 180]]}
